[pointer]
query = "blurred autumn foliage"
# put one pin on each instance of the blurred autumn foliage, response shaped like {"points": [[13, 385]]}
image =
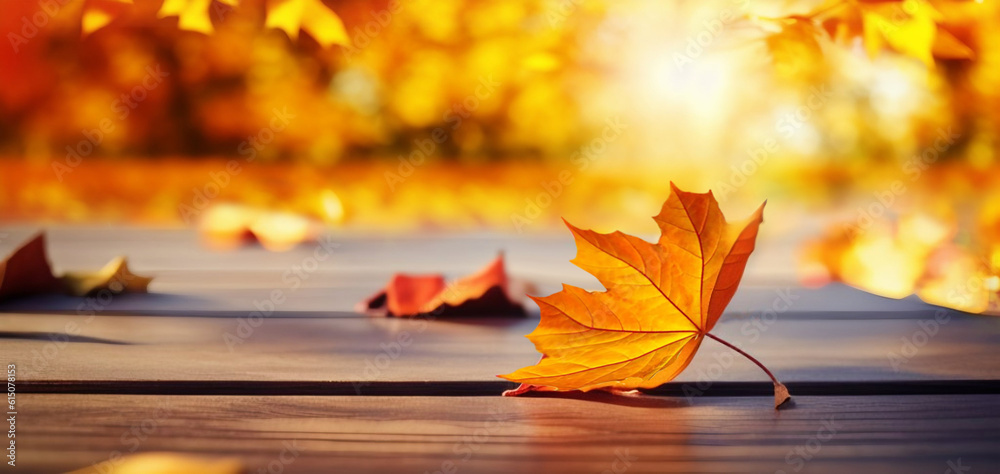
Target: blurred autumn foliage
{"points": [[457, 114], [556, 71]]}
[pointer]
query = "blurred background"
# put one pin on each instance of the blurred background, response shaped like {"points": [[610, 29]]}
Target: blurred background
{"points": [[871, 127]]}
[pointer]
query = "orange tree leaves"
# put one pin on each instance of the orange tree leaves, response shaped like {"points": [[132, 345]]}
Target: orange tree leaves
{"points": [[661, 301]]}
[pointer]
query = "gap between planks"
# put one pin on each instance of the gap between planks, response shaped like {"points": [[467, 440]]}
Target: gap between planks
{"points": [[826, 315], [494, 388]]}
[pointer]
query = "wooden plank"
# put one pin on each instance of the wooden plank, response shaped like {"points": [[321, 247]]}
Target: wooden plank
{"points": [[914, 434], [546, 255], [85, 348], [199, 294], [193, 280]]}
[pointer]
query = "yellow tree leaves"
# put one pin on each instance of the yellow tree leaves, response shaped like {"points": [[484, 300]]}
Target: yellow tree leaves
{"points": [[914, 28], [661, 301], [290, 16], [910, 27]]}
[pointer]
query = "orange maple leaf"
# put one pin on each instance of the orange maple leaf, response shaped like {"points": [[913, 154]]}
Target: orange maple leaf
{"points": [[661, 301]]}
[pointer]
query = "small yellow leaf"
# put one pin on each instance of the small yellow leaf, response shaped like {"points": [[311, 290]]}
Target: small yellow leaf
{"points": [[98, 13], [311, 16], [192, 15], [912, 36], [115, 277], [166, 463]]}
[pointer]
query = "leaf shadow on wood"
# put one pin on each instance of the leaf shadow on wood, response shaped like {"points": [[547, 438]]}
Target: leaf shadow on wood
{"points": [[638, 400], [500, 322], [59, 336], [153, 304]]}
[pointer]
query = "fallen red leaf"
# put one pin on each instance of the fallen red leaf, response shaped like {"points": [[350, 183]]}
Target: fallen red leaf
{"points": [[27, 271], [484, 293]]}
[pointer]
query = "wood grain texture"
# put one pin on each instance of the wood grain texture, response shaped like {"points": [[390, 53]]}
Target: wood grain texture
{"points": [[914, 434], [192, 280], [58, 347], [368, 350]]}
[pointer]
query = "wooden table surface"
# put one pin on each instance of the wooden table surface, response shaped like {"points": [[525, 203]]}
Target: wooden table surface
{"points": [[878, 386]]}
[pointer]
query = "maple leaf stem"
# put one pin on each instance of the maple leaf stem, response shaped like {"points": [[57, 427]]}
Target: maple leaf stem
{"points": [[748, 356]]}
